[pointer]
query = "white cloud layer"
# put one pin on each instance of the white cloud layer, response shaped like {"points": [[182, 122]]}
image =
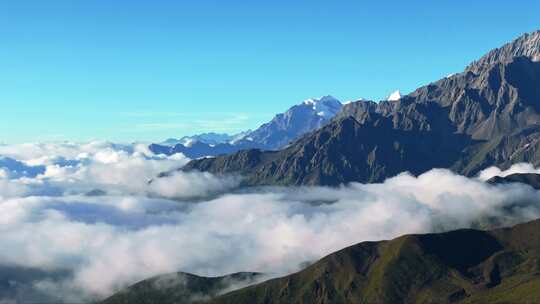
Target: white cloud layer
{"points": [[98, 167], [92, 211]]}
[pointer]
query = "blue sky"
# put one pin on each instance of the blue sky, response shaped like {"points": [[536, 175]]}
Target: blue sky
{"points": [[147, 70]]}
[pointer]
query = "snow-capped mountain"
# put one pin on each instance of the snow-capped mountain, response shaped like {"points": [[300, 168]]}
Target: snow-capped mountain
{"points": [[239, 136], [326, 106], [295, 122], [277, 133], [395, 96], [488, 115]]}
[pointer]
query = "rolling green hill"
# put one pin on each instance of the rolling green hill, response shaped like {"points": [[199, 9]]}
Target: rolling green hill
{"points": [[179, 287], [463, 266]]}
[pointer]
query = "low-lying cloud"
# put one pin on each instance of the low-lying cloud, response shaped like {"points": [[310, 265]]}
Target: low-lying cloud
{"points": [[92, 211], [99, 168], [517, 168]]}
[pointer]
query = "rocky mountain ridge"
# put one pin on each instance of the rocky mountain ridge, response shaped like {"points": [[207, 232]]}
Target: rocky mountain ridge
{"points": [[488, 115]]}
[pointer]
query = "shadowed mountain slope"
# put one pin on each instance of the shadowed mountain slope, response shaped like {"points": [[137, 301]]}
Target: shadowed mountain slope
{"points": [[180, 288]]}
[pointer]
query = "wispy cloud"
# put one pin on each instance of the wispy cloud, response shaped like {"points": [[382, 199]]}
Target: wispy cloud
{"points": [[221, 122], [162, 126]]}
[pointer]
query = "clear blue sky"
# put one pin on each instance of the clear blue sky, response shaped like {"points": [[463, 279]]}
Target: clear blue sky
{"points": [[147, 70]]}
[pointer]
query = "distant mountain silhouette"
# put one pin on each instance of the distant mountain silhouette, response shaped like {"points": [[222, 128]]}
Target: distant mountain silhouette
{"points": [[210, 138], [19, 169]]}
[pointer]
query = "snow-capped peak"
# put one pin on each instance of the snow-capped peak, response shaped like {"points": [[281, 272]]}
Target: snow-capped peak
{"points": [[394, 96], [239, 137], [323, 99], [326, 106], [355, 100], [189, 142]]}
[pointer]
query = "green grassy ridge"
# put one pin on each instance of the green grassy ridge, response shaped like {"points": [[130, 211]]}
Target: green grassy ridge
{"points": [[179, 287], [463, 266], [466, 266]]}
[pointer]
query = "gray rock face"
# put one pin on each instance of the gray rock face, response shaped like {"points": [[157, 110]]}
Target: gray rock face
{"points": [[500, 99], [527, 45], [488, 115], [342, 151]]}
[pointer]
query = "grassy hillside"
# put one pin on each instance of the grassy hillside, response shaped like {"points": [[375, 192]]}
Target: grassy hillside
{"points": [[179, 287], [463, 266]]}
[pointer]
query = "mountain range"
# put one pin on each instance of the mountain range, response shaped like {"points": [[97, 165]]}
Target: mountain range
{"points": [[285, 127], [210, 138], [487, 115]]}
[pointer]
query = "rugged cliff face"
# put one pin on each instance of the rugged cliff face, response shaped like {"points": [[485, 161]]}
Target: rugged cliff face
{"points": [[527, 45], [488, 115]]}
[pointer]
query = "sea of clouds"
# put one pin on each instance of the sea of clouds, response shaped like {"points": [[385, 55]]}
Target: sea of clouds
{"points": [[88, 217]]}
